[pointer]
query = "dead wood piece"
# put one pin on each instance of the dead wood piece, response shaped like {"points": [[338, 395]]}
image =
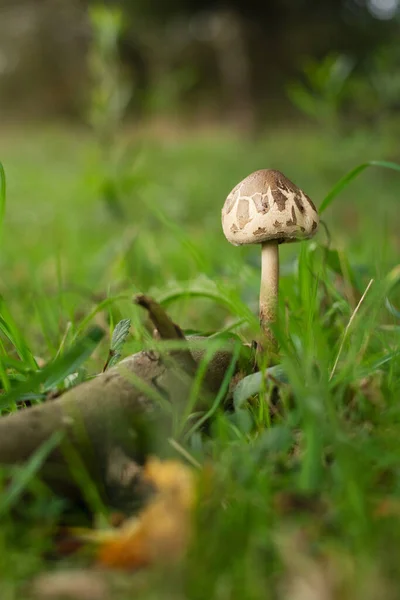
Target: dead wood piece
{"points": [[110, 411], [168, 330]]}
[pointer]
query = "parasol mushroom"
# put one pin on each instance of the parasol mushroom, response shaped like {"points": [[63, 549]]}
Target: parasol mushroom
{"points": [[267, 208]]}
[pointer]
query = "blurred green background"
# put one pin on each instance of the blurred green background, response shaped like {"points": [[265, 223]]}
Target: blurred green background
{"points": [[124, 125]]}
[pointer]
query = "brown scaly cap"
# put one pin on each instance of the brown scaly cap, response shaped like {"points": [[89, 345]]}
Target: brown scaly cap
{"points": [[268, 206]]}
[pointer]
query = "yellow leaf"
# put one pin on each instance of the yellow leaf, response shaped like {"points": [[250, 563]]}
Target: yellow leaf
{"points": [[161, 532]]}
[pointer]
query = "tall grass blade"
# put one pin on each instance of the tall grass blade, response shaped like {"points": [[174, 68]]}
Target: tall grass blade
{"points": [[11, 330], [221, 393], [24, 475], [2, 195], [56, 371], [348, 328], [348, 178]]}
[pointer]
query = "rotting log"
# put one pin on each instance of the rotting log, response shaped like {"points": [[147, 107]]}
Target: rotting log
{"points": [[109, 423]]}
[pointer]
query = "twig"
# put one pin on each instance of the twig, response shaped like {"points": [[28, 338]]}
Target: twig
{"points": [[168, 330], [348, 327], [111, 354]]}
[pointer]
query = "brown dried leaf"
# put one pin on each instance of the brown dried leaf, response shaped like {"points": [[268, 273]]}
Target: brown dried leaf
{"points": [[161, 531]]}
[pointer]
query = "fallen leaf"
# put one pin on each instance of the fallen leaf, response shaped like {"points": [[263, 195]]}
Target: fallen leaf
{"points": [[161, 531]]}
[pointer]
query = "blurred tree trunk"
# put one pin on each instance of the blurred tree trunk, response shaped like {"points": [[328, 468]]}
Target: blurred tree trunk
{"points": [[229, 41]]}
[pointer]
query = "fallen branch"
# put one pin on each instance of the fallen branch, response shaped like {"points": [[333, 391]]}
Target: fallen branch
{"points": [[167, 330], [116, 414]]}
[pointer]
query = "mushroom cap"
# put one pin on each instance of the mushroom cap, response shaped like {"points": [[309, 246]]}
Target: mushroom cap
{"points": [[266, 206]]}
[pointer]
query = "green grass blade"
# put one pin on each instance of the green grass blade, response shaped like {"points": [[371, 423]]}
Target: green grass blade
{"points": [[74, 358], [101, 306], [2, 195], [233, 305], [24, 475], [392, 309], [220, 396], [11, 330], [56, 371], [255, 384], [348, 178]]}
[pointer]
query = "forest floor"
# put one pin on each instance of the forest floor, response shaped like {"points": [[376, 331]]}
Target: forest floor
{"points": [[305, 501]]}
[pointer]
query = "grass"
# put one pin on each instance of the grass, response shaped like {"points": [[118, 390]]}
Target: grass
{"points": [[304, 493]]}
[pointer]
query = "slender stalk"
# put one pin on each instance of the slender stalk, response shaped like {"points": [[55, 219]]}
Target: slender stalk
{"points": [[269, 292]]}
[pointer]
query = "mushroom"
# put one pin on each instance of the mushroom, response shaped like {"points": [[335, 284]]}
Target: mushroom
{"points": [[267, 208]]}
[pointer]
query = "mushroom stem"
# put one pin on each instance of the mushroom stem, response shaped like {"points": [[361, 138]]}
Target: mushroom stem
{"points": [[269, 291]]}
